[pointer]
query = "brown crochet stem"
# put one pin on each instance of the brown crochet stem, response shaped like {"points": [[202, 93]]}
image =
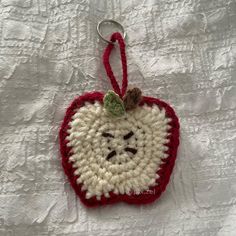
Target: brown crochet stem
{"points": [[132, 98]]}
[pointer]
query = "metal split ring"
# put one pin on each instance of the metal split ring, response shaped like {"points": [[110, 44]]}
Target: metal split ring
{"points": [[99, 25]]}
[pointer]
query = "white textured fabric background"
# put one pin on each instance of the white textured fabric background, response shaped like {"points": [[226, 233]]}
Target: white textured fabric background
{"points": [[181, 51]]}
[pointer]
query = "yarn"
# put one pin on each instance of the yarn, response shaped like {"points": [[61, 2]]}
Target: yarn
{"points": [[129, 135], [126, 157], [88, 138], [113, 104], [166, 148], [106, 57], [132, 98]]}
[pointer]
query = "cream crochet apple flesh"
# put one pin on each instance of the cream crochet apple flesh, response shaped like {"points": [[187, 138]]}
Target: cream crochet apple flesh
{"points": [[121, 155]]}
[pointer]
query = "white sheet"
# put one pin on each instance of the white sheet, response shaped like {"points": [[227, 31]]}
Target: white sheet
{"points": [[180, 51]]}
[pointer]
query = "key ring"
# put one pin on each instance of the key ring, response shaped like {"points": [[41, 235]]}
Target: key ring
{"points": [[111, 22]]}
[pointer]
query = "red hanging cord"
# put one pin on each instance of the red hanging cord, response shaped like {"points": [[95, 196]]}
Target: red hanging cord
{"points": [[106, 56]]}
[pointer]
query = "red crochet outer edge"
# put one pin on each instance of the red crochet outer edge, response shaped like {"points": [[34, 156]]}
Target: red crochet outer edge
{"points": [[164, 172]]}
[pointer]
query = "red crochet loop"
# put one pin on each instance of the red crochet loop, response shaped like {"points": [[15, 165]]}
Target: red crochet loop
{"points": [[106, 56]]}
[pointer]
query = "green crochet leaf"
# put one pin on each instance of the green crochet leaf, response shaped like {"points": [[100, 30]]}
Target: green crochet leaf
{"points": [[113, 104]]}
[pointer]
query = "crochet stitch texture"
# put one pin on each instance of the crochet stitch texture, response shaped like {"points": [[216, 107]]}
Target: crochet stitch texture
{"points": [[128, 158]]}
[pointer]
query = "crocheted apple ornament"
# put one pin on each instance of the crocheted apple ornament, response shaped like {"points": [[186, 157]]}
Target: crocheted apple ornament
{"points": [[120, 146]]}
